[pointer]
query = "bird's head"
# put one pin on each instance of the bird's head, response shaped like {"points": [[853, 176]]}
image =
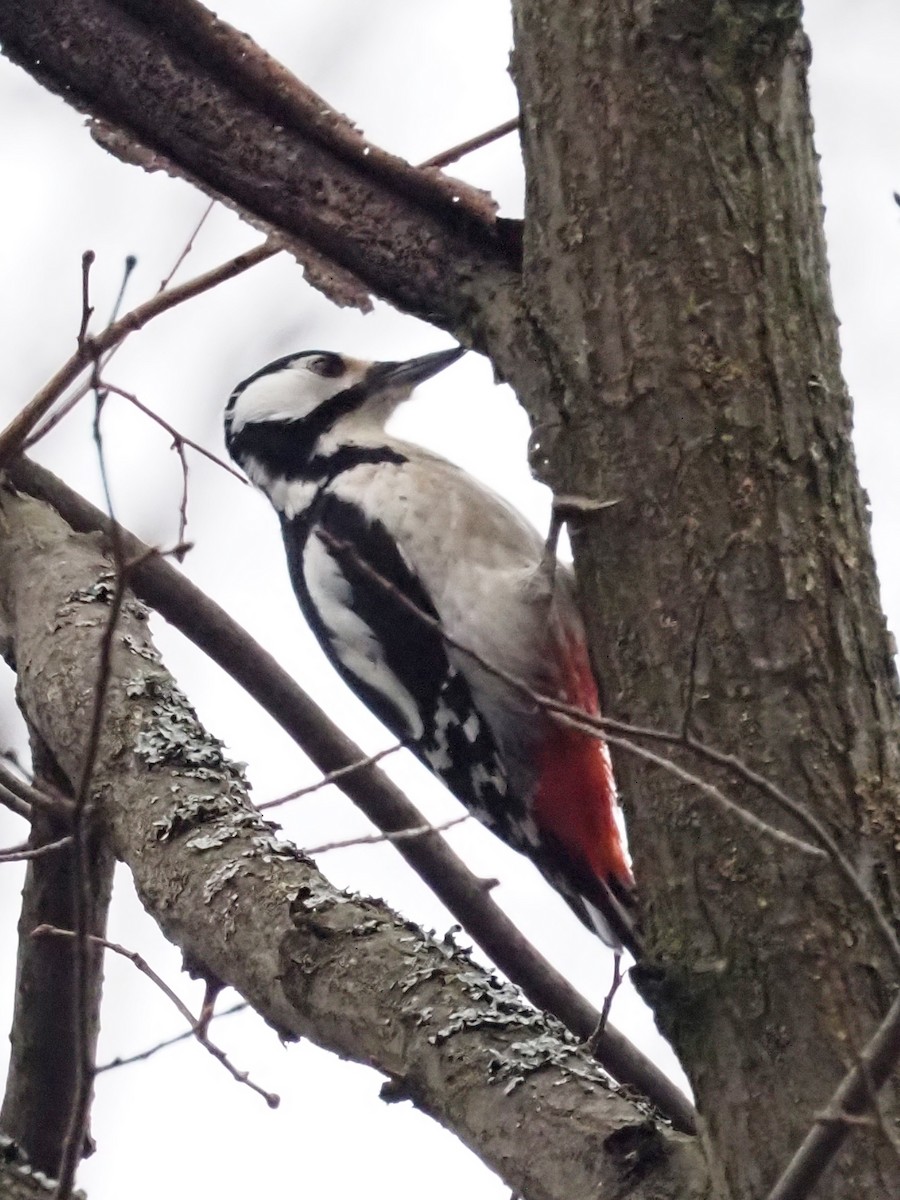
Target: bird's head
{"points": [[312, 391]]}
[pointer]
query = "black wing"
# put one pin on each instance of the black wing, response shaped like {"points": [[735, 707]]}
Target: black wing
{"points": [[351, 580]]}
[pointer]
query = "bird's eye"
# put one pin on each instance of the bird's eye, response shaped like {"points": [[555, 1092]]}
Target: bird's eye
{"points": [[331, 366]]}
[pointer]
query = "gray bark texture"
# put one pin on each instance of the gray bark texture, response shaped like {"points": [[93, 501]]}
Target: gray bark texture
{"points": [[675, 267], [671, 334], [248, 909]]}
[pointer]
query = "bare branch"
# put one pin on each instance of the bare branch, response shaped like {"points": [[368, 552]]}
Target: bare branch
{"points": [[83, 966], [55, 1026], [333, 777], [254, 913], [188, 246], [426, 243], [25, 852], [446, 157], [36, 798], [130, 264], [143, 1055], [178, 439], [144, 967], [87, 261], [602, 726], [374, 839], [714, 793], [89, 351], [14, 803], [730, 543]]}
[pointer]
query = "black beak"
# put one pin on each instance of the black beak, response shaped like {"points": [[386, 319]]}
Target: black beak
{"points": [[414, 370]]}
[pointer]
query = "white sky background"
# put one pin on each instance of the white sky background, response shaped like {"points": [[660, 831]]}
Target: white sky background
{"points": [[416, 78]]}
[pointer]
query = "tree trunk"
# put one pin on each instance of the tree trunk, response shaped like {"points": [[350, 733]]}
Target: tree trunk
{"points": [[672, 338], [675, 270]]}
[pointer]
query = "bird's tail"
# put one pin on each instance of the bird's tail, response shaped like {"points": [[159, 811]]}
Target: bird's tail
{"points": [[575, 810], [575, 805]]}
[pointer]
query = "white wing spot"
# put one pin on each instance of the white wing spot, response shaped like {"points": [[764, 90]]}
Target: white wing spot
{"points": [[439, 758], [483, 778]]}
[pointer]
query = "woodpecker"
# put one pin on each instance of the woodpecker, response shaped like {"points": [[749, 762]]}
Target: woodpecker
{"points": [[370, 521]]}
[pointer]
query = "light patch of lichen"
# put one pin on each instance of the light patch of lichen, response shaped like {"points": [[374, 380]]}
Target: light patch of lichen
{"points": [[173, 736], [211, 808], [495, 1002]]}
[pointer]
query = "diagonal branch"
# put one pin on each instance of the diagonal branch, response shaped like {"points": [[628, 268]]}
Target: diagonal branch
{"points": [[166, 590], [251, 911], [90, 349], [196, 1027], [174, 86]]}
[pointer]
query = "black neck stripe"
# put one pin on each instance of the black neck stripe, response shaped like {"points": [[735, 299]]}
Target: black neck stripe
{"points": [[283, 454], [286, 447], [327, 466]]}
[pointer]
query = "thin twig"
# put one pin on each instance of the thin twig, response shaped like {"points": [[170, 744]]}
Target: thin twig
{"points": [[606, 1007], [814, 827], [87, 261], [482, 139], [568, 713], [336, 776], [882, 1122], [57, 804], [178, 447], [188, 246], [13, 436], [736, 536], [25, 852], [178, 438], [73, 1144], [144, 967], [14, 803], [714, 793], [143, 1055], [130, 264], [372, 839]]}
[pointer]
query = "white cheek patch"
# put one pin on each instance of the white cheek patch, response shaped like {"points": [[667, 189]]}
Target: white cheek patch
{"points": [[290, 394], [284, 395], [352, 640]]}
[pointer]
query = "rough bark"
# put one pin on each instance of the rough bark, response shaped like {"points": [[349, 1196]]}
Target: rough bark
{"points": [[250, 910], [676, 350], [675, 267]]}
